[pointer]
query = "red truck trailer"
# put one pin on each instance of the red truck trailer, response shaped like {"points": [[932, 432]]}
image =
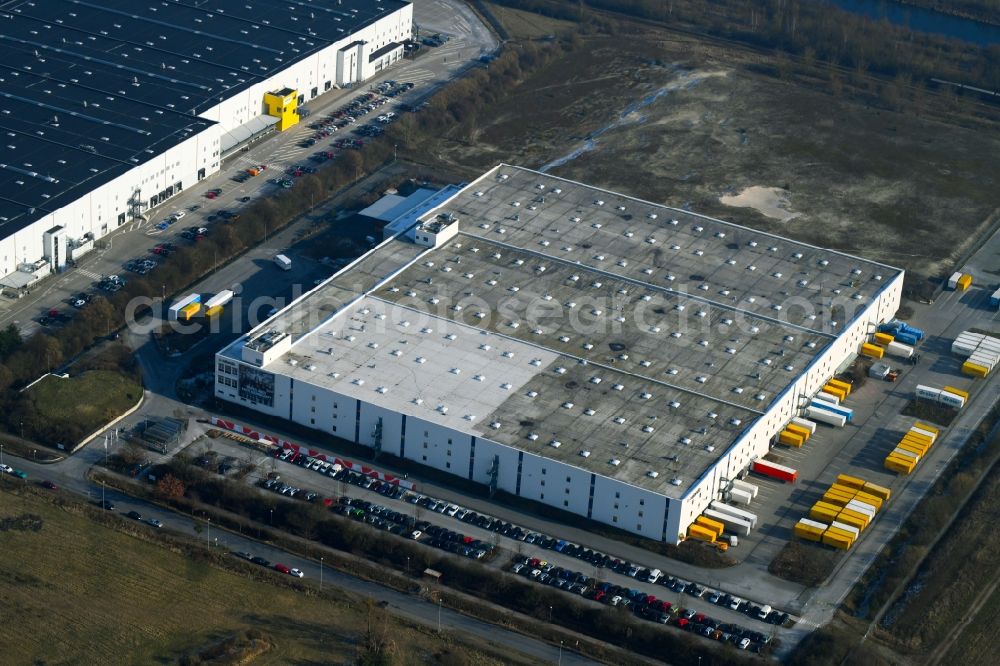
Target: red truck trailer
{"points": [[774, 470]]}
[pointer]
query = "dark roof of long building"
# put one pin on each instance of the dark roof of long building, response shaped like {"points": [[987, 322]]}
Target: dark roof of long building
{"points": [[89, 89]]}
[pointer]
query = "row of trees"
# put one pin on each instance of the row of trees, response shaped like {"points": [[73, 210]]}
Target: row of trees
{"points": [[812, 30]]}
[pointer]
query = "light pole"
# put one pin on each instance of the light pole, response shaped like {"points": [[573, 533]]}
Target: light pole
{"points": [[270, 517], [407, 565], [560, 652], [321, 574], [439, 616], [395, 147], [208, 535], [1, 454], [104, 502], [550, 614], [22, 428]]}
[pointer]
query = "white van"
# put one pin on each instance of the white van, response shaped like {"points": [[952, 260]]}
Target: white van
{"points": [[654, 575]]}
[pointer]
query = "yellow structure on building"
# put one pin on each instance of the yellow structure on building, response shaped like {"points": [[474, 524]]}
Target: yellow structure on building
{"points": [[283, 105]]}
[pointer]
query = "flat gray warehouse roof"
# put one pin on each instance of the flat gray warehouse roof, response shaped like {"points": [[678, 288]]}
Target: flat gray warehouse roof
{"points": [[619, 336]]}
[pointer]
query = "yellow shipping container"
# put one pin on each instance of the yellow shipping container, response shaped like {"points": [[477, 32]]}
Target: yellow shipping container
{"points": [[881, 492], [839, 532], [701, 533], [952, 389], [847, 490], [974, 369], [913, 441], [837, 391], [841, 384], [856, 515], [899, 465], [873, 351], [835, 498], [919, 436], [964, 282], [850, 481], [883, 338], [799, 430], [837, 540], [907, 448], [842, 490], [851, 520], [789, 438], [818, 512], [808, 532], [190, 310], [868, 498], [710, 524], [214, 310], [928, 428]]}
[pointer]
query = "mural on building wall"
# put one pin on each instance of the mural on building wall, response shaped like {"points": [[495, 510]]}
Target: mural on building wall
{"points": [[257, 386]]}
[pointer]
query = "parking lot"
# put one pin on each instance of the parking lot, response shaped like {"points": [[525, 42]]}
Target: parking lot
{"points": [[449, 526]]}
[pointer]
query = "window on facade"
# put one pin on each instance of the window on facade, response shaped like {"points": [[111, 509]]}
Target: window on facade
{"points": [[642, 502], [543, 482], [614, 519], [449, 453], [312, 421], [447, 465], [425, 445], [640, 514], [541, 496], [565, 502], [618, 495], [567, 491], [334, 428], [543, 470], [424, 458]]}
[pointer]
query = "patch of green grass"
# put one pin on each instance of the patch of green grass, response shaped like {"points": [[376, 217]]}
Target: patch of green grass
{"points": [[85, 593], [85, 402]]}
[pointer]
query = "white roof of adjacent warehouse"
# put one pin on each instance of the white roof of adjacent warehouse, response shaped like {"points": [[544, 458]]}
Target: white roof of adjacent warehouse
{"points": [[620, 336]]}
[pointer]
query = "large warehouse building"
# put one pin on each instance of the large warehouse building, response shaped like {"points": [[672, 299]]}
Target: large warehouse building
{"points": [[109, 108], [611, 357]]}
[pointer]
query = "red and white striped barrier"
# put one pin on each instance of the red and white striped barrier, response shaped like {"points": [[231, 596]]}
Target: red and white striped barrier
{"points": [[359, 468]]}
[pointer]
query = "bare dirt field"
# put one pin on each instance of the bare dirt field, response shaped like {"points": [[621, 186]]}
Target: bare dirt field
{"points": [[686, 122]]}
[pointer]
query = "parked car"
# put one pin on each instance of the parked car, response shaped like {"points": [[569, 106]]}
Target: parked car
{"points": [[134, 515], [282, 568]]}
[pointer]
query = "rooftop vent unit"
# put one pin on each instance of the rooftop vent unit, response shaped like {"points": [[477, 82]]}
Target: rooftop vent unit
{"points": [[506, 386], [420, 359], [614, 462], [676, 482], [443, 409], [418, 401], [532, 436], [685, 440], [532, 394], [652, 474], [584, 454], [381, 389], [589, 412], [358, 381], [555, 443], [567, 405], [618, 387], [735, 422]]}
